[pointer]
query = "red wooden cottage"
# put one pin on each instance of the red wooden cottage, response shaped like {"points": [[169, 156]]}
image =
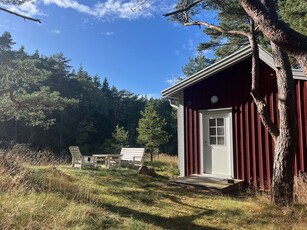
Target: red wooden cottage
{"points": [[219, 130]]}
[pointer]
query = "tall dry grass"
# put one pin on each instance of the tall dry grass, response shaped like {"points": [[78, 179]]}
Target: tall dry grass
{"points": [[44, 197], [15, 174], [164, 164], [300, 188], [57, 197]]}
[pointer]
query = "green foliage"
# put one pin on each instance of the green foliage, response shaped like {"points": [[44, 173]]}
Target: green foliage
{"points": [[6, 43], [151, 129], [196, 64], [170, 115], [231, 16], [83, 110], [294, 12], [24, 97], [120, 139]]}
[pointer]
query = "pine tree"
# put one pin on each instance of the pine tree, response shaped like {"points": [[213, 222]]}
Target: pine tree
{"points": [[196, 64], [23, 95], [151, 129], [120, 139]]}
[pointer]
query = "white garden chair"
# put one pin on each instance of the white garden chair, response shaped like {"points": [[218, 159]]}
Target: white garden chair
{"points": [[82, 161]]}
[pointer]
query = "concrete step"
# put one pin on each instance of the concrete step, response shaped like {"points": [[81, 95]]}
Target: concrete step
{"points": [[213, 184]]}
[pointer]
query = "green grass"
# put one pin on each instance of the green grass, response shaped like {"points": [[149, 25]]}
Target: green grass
{"points": [[61, 197]]}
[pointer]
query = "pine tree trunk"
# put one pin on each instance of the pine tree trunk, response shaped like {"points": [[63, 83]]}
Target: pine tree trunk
{"points": [[283, 172], [266, 17], [285, 142], [264, 13], [151, 155]]}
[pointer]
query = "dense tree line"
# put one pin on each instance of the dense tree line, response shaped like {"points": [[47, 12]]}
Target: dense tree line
{"points": [[55, 106]]}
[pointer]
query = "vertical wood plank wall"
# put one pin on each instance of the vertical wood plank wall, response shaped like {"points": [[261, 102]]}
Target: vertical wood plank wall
{"points": [[253, 147]]}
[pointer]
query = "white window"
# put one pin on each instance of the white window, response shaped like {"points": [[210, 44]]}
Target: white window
{"points": [[217, 131]]}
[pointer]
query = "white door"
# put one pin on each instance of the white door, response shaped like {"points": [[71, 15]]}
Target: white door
{"points": [[216, 144]]}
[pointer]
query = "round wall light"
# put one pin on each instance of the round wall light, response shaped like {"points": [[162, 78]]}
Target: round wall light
{"points": [[214, 99]]}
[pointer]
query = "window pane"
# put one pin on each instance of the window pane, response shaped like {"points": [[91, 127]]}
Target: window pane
{"points": [[220, 131], [220, 121], [220, 140], [212, 141], [212, 122], [212, 131]]}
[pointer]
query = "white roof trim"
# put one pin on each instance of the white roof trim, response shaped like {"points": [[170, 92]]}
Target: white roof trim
{"points": [[222, 64]]}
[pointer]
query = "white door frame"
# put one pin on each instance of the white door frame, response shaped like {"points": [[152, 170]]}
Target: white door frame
{"points": [[202, 113]]}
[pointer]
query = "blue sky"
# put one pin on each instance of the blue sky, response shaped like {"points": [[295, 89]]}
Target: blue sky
{"points": [[129, 42]]}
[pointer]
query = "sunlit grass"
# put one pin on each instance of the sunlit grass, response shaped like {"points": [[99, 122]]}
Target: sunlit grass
{"points": [[165, 165], [120, 198]]}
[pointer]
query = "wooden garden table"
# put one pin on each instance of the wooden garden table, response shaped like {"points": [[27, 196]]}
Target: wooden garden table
{"points": [[107, 158]]}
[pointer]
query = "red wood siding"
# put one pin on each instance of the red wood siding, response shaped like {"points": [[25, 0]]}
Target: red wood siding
{"points": [[192, 142], [301, 105], [253, 147]]}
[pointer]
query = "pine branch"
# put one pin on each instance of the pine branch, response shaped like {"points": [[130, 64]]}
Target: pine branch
{"points": [[203, 23], [11, 94], [217, 28], [20, 15], [277, 31], [20, 104], [183, 9]]}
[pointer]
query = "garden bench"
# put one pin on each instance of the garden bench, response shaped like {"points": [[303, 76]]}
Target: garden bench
{"points": [[132, 156]]}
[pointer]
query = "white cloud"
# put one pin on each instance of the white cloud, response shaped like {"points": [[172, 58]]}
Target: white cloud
{"points": [[191, 46], [151, 95], [109, 33], [173, 80], [70, 4], [55, 31], [177, 52], [107, 10], [27, 9], [125, 10], [6, 27], [113, 9]]}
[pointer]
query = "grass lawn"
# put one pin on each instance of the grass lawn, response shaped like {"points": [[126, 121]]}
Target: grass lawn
{"points": [[61, 197]]}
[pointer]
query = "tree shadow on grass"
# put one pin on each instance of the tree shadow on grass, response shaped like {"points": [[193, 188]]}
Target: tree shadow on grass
{"points": [[171, 223]]}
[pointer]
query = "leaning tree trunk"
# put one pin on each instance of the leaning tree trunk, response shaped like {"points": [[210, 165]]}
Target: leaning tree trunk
{"points": [[285, 137], [264, 13], [285, 142]]}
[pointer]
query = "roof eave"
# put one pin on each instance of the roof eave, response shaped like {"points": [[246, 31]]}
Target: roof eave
{"points": [[208, 71], [222, 64]]}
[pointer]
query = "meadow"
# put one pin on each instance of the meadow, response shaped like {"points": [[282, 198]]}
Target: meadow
{"points": [[41, 191]]}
